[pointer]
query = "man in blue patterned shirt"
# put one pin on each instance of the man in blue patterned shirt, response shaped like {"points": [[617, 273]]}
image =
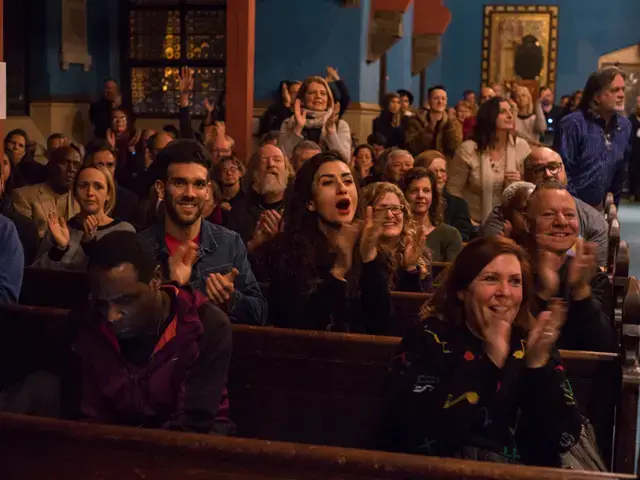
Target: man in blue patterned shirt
{"points": [[593, 141]]}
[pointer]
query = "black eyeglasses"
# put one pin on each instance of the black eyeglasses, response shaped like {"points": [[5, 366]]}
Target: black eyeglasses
{"points": [[553, 168]]}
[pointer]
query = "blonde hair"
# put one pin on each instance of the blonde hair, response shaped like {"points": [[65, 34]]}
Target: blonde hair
{"points": [[110, 203], [523, 109], [305, 86], [394, 256]]}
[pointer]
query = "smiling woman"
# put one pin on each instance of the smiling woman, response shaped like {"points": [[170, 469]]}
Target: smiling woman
{"points": [[402, 243], [63, 248], [476, 377]]}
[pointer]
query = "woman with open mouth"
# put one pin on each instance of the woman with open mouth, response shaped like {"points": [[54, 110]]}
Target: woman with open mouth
{"points": [[323, 268], [402, 243], [479, 378], [63, 248]]}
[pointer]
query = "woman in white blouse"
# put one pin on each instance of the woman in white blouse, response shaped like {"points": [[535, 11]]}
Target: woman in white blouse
{"points": [[483, 166]]}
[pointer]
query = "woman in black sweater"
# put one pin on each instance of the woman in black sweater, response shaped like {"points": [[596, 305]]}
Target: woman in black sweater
{"points": [[323, 268], [390, 123], [479, 378]]}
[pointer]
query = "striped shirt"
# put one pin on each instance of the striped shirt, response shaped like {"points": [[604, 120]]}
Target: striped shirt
{"points": [[594, 155]]}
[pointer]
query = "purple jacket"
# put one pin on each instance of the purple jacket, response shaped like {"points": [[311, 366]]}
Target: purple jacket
{"points": [[152, 394]]}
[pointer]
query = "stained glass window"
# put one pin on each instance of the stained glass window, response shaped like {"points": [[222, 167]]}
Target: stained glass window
{"points": [[164, 35]]}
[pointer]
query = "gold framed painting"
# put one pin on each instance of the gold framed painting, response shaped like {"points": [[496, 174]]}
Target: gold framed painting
{"points": [[520, 43]]}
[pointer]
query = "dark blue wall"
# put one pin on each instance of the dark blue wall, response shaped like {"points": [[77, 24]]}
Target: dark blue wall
{"points": [[587, 29], [296, 39], [47, 80]]}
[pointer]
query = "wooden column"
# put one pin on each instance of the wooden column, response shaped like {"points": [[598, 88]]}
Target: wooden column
{"points": [[241, 19]]}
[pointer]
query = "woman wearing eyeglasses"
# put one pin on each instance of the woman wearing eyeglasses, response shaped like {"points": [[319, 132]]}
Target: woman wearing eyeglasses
{"points": [[402, 242], [444, 241]]}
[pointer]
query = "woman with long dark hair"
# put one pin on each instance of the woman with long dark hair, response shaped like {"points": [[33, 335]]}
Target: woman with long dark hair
{"points": [[322, 268], [479, 378], [17, 145], [389, 123], [494, 157]]}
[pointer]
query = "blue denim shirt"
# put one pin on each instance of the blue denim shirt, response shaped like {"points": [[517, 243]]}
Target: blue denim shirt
{"points": [[220, 250], [595, 165]]}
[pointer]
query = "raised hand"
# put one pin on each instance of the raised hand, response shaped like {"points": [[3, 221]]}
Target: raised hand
{"points": [[497, 339], [286, 96], [544, 334], [59, 230], [332, 74], [90, 227], [507, 228], [301, 116], [582, 269], [134, 141], [181, 262], [413, 249], [111, 138], [221, 130], [548, 266], [345, 244], [185, 85], [220, 287], [208, 106], [370, 236]]}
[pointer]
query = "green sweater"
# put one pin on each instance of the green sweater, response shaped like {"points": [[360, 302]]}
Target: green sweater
{"points": [[445, 242]]}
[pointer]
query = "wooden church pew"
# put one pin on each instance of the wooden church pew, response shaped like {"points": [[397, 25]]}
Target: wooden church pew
{"points": [[317, 387], [33, 447]]}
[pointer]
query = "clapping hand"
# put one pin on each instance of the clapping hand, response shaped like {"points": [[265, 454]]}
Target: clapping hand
{"points": [[181, 262], [300, 115], [544, 334], [332, 122], [332, 75], [582, 269], [267, 228], [59, 230], [345, 243], [90, 227], [548, 265], [413, 249], [370, 236], [220, 287]]}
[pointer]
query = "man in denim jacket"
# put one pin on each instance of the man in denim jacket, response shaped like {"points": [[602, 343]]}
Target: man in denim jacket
{"points": [[221, 270]]}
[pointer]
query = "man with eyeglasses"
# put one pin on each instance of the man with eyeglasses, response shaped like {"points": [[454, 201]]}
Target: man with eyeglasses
{"points": [[542, 165], [228, 174], [221, 270]]}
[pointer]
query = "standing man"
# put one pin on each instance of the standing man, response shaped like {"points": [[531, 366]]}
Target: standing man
{"points": [[100, 111], [221, 270], [593, 141], [552, 113], [433, 128]]}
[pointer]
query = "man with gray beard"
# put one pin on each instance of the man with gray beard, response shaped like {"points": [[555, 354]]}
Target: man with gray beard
{"points": [[257, 216]]}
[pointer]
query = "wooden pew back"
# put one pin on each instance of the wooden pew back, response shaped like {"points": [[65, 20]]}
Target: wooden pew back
{"points": [[116, 453], [311, 387]]}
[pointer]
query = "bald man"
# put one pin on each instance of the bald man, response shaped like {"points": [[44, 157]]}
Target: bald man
{"points": [[544, 164]]}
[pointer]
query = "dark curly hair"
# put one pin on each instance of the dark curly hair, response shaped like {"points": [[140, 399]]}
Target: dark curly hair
{"points": [[302, 247], [436, 210]]}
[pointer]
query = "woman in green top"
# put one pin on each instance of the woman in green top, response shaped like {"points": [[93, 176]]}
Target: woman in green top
{"points": [[427, 206]]}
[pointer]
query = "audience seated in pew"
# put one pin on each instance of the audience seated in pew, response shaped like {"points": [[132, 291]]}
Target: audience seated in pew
{"points": [[303, 152], [18, 147], [266, 179], [64, 246], [319, 278], [140, 353], [316, 118], [221, 271], [37, 201], [11, 260], [513, 207], [393, 164], [565, 267], [444, 241], [402, 244], [543, 164], [228, 173], [456, 210], [127, 206], [493, 146], [479, 378], [363, 163]]}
